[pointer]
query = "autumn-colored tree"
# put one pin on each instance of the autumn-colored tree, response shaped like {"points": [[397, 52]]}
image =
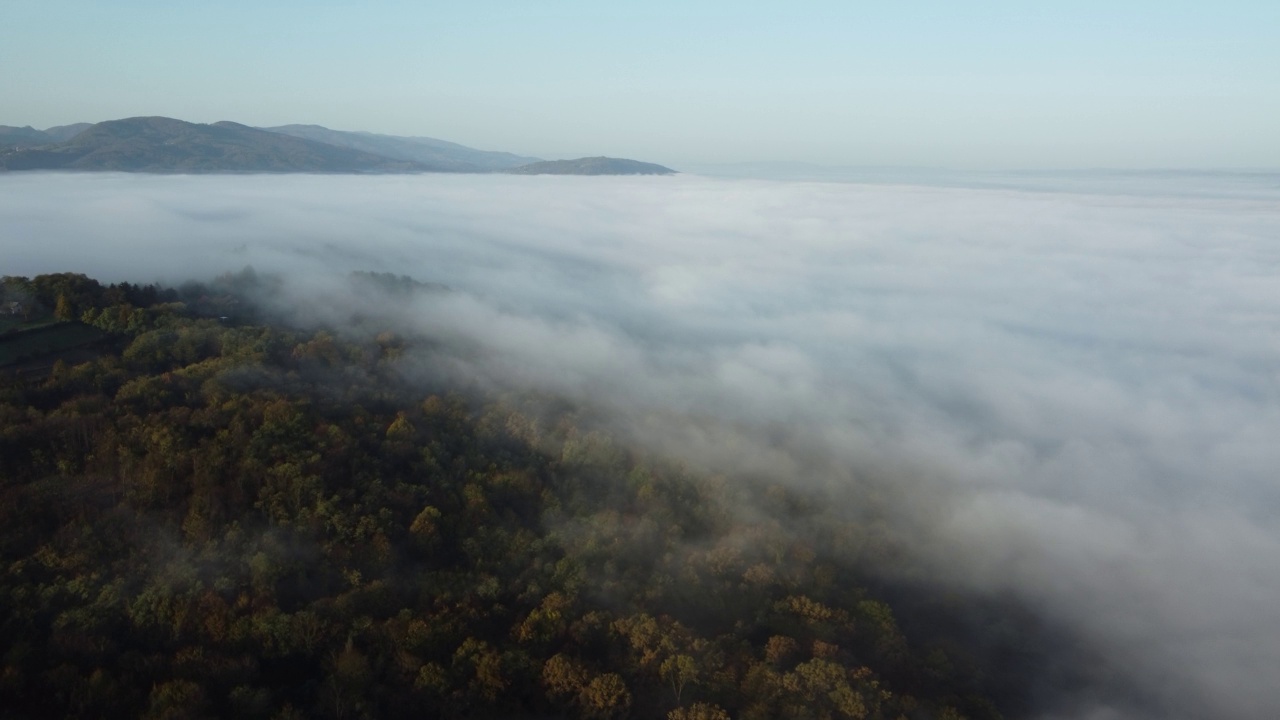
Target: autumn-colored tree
{"points": [[547, 621], [820, 689], [481, 665], [64, 310], [564, 677], [605, 698], [348, 679]]}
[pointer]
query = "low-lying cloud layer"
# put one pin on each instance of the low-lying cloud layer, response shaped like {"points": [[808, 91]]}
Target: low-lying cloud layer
{"points": [[1080, 392]]}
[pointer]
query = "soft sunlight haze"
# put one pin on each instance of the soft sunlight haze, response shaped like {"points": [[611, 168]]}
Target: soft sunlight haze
{"points": [[989, 85]]}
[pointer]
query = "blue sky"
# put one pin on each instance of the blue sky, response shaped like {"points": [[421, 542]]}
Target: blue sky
{"points": [[983, 85]]}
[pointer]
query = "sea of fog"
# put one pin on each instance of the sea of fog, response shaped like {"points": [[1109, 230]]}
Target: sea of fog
{"points": [[1073, 381]]}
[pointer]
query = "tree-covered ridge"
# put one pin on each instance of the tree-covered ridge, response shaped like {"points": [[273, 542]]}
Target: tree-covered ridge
{"points": [[235, 519], [28, 136]]}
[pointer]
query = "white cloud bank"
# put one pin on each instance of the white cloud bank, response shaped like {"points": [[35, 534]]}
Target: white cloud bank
{"points": [[1084, 388]]}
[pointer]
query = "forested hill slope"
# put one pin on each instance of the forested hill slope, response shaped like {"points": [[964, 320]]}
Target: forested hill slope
{"points": [[158, 144], [221, 518], [28, 136]]}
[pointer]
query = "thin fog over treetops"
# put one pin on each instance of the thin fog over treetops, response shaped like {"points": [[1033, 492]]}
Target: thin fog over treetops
{"points": [[613, 447]]}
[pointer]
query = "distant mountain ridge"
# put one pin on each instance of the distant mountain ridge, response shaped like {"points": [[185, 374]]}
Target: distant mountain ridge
{"points": [[159, 144], [592, 166], [28, 136], [166, 145]]}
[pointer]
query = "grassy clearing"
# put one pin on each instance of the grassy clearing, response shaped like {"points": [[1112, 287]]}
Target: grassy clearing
{"points": [[34, 343], [15, 323]]}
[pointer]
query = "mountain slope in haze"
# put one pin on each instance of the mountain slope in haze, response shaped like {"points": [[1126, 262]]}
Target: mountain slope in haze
{"points": [[63, 133], [159, 144], [436, 154], [592, 166], [28, 136]]}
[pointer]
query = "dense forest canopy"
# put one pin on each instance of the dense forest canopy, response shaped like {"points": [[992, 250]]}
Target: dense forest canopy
{"points": [[207, 512]]}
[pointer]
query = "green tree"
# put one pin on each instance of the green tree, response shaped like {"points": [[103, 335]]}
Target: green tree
{"points": [[679, 671], [699, 711], [177, 700]]}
